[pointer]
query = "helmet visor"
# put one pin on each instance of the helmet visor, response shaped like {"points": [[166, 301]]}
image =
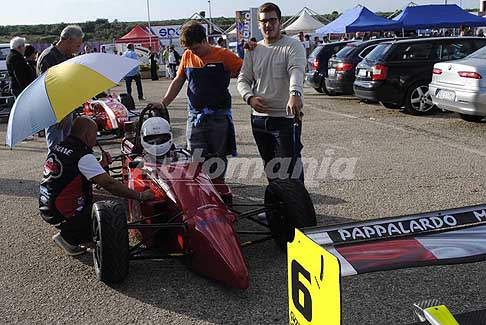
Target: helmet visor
{"points": [[157, 138]]}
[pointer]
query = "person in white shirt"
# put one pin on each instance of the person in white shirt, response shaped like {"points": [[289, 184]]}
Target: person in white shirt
{"points": [[66, 193], [271, 82]]}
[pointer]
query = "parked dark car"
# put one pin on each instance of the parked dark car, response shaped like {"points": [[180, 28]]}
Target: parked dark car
{"points": [[342, 66], [6, 98], [398, 73], [317, 65]]}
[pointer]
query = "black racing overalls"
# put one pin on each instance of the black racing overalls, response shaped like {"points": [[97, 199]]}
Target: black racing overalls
{"points": [[66, 196]]}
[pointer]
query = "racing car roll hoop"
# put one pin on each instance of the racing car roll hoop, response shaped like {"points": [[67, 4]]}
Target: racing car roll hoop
{"points": [[191, 217]]}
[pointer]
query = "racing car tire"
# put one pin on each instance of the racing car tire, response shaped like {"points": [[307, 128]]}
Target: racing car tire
{"points": [[294, 209], [111, 254], [127, 101]]}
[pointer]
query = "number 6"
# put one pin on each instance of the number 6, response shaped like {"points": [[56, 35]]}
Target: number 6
{"points": [[298, 286]]}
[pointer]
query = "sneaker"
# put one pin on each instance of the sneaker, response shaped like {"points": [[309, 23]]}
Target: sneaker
{"points": [[69, 249], [142, 99]]}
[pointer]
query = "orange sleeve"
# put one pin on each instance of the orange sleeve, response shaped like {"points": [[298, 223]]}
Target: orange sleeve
{"points": [[231, 62], [183, 64]]}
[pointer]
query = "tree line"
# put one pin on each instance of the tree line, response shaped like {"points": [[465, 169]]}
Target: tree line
{"points": [[102, 30]]}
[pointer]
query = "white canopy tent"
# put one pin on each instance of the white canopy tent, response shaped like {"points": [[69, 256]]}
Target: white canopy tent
{"points": [[302, 23]]}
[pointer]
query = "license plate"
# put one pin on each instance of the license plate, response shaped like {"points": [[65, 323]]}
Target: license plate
{"points": [[331, 72], [362, 72], [447, 95]]}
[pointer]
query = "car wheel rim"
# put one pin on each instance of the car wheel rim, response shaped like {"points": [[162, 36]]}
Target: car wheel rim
{"points": [[97, 240], [420, 99]]}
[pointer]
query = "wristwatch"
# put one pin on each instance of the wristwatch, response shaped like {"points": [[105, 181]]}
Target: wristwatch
{"points": [[295, 93]]}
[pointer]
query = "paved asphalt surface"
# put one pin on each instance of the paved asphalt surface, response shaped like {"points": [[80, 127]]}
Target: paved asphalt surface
{"points": [[402, 164]]}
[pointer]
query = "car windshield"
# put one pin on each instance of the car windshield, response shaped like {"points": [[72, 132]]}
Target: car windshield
{"points": [[4, 51], [345, 51], [479, 54], [315, 52], [378, 52]]}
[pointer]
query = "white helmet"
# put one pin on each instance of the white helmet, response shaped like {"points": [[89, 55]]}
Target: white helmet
{"points": [[156, 136]]}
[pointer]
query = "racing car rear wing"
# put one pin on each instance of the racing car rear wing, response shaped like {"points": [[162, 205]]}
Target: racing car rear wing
{"points": [[319, 256]]}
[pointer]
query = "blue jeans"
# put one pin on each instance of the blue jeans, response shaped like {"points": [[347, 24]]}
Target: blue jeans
{"points": [[278, 141], [55, 135], [209, 140]]}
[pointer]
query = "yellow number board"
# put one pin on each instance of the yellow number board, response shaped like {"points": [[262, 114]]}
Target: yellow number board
{"points": [[313, 283]]}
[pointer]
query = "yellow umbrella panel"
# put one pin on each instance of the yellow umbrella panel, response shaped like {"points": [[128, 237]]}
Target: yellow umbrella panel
{"points": [[61, 89]]}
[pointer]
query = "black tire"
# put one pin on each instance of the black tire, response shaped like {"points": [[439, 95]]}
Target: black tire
{"points": [[295, 210], [110, 234], [418, 100], [127, 101], [390, 105], [119, 133], [319, 90], [471, 118]]}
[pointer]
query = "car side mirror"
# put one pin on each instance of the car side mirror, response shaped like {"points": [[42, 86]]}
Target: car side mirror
{"points": [[136, 164]]}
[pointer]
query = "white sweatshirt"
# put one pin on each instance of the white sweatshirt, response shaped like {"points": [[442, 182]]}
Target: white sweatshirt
{"points": [[272, 71]]}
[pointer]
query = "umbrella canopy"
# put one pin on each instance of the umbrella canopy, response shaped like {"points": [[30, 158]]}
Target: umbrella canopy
{"points": [[61, 89]]}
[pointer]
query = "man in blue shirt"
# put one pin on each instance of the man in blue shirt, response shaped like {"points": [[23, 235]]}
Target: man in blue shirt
{"points": [[133, 74]]}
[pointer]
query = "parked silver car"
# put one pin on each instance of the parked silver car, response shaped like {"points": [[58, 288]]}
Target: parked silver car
{"points": [[459, 86]]}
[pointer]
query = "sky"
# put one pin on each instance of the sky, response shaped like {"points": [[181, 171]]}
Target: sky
{"points": [[31, 12]]}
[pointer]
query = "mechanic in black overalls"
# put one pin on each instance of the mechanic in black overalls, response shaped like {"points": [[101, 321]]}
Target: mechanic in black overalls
{"points": [[66, 193], [208, 69]]}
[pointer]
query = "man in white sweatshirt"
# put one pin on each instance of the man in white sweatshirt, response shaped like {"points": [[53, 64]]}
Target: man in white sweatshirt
{"points": [[271, 82]]}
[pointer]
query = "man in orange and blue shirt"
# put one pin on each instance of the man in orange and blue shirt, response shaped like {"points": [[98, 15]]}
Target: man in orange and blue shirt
{"points": [[208, 69]]}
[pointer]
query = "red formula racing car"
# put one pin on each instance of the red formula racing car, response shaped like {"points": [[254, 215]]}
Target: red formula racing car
{"points": [[108, 112], [191, 217]]}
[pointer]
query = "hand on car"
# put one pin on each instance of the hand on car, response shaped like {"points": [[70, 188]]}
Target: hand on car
{"points": [[155, 105], [259, 104], [147, 195], [106, 159], [294, 107]]}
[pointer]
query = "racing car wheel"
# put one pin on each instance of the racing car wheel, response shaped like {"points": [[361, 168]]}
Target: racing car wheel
{"points": [[290, 207]]}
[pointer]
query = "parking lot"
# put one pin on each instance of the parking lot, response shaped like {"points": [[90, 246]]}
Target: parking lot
{"points": [[372, 162]]}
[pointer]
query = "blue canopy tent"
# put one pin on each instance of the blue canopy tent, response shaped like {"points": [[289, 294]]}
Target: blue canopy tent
{"points": [[437, 16], [359, 19]]}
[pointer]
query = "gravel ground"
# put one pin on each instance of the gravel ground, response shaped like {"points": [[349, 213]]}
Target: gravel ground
{"points": [[402, 164]]}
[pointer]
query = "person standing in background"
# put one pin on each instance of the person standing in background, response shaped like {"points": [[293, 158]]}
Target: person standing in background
{"points": [[69, 43], [30, 55], [153, 64], [19, 71], [240, 49], [133, 74]]}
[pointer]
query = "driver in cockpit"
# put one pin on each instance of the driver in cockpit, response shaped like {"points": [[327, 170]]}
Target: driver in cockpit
{"points": [[157, 142]]}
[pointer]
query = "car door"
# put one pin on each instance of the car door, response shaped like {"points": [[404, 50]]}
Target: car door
{"points": [[411, 62]]}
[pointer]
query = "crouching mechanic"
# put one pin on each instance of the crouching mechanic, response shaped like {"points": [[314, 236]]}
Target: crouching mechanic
{"points": [[66, 192], [208, 69]]}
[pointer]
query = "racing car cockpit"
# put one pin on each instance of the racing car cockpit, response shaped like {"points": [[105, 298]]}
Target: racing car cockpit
{"points": [[191, 216]]}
